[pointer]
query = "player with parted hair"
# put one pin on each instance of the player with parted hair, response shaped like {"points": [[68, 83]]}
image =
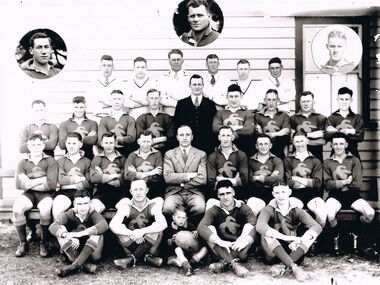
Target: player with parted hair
{"points": [[229, 230], [251, 99], [37, 177], [80, 235], [139, 226], [73, 174]]}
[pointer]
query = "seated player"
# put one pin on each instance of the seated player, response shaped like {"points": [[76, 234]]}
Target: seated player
{"points": [[185, 173], [238, 118], [347, 122], [159, 123], [49, 132], [120, 124], [277, 224], [180, 224], [80, 235], [265, 170], [139, 227], [342, 174], [310, 122], [303, 174], [146, 164], [229, 229], [79, 123], [227, 162], [107, 172], [73, 174], [37, 176], [274, 123]]}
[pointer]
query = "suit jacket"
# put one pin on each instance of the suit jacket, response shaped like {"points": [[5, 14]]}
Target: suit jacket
{"points": [[175, 170], [199, 120]]}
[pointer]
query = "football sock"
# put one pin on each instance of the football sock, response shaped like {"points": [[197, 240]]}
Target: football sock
{"points": [[84, 255], [142, 249], [44, 233], [280, 252], [297, 254], [21, 232], [223, 253]]}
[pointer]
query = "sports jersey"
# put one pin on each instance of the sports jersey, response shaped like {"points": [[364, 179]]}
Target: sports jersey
{"points": [[216, 92], [228, 224], [334, 172], [352, 121], [273, 164], [46, 167], [218, 165], [268, 124], [241, 117], [49, 134], [251, 98], [160, 125], [138, 219], [67, 170]]}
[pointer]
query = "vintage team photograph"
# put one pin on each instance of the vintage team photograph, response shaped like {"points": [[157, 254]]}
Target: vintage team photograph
{"points": [[190, 142]]}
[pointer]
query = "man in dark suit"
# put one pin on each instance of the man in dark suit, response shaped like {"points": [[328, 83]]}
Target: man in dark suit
{"points": [[197, 112], [186, 175]]}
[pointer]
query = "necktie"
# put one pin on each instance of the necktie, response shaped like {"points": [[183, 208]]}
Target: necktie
{"points": [[106, 82], [184, 155], [196, 102], [277, 83], [212, 79]]}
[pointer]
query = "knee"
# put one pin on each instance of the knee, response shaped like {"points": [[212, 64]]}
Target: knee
{"points": [[198, 208], [211, 202], [169, 206], [256, 205], [368, 215], [97, 205]]}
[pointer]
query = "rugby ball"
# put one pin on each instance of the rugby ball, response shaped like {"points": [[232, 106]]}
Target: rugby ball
{"points": [[186, 241]]}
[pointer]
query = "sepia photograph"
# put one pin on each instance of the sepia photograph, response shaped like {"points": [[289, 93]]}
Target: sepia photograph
{"points": [[190, 142]]}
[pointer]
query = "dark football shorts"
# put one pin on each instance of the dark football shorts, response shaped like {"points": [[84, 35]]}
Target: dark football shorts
{"points": [[69, 193], [110, 195], [36, 197], [346, 198]]}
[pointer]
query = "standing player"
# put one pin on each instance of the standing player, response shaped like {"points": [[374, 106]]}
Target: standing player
{"points": [[265, 171], [120, 124], [37, 176], [154, 120], [146, 164], [277, 224], [310, 122], [215, 84], [342, 174], [227, 162], [173, 85], [229, 229], [274, 123], [80, 235], [73, 174], [79, 123], [239, 119], [49, 132], [137, 88], [139, 227], [347, 122], [107, 171], [303, 174], [251, 99]]}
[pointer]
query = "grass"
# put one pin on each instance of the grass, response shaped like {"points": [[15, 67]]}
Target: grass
{"points": [[33, 269]]}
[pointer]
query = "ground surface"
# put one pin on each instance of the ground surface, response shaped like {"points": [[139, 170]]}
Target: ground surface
{"points": [[33, 269]]}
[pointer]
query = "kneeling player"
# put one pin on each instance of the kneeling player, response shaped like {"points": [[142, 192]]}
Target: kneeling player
{"points": [[229, 229], [343, 179], [278, 224], [73, 174], [79, 233], [180, 224], [138, 227], [37, 176]]}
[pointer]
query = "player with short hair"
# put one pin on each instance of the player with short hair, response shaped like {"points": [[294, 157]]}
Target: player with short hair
{"points": [[251, 99], [160, 124], [303, 174], [107, 171], [275, 123], [139, 227], [278, 223], [310, 122], [229, 230], [265, 171], [180, 259], [238, 118], [80, 235], [79, 123], [49, 132], [73, 174], [228, 162], [345, 121], [146, 164], [120, 124], [37, 176], [342, 174]]}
